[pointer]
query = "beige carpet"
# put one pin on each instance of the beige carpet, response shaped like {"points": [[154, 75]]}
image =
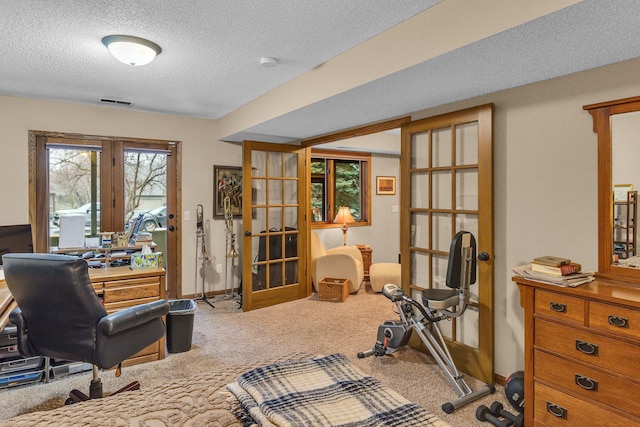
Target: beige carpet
{"points": [[188, 388]]}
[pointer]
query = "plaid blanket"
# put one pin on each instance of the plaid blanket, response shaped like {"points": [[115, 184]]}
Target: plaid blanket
{"points": [[326, 391]]}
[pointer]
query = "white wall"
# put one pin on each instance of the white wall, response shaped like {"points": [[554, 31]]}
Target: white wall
{"points": [[200, 151]]}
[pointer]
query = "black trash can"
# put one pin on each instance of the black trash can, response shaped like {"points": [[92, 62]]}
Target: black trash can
{"points": [[180, 325]]}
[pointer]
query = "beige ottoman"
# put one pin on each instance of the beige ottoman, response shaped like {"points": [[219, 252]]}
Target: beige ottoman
{"points": [[382, 273]]}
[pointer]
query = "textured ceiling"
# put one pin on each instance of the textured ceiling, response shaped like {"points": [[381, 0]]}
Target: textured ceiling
{"points": [[211, 50], [590, 34]]}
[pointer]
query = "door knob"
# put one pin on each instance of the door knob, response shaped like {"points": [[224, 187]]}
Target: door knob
{"points": [[483, 256], [247, 233]]}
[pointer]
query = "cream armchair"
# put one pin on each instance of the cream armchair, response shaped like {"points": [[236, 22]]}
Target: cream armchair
{"points": [[344, 262]]}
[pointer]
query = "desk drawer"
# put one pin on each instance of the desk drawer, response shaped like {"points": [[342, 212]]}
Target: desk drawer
{"points": [[614, 319], [555, 408], [115, 306], [561, 307], [588, 382], [127, 293], [588, 347], [133, 282]]}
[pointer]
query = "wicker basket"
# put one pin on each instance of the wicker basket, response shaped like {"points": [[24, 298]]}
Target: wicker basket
{"points": [[333, 289]]}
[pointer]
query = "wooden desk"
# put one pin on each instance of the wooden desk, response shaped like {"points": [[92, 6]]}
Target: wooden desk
{"points": [[119, 287], [581, 353]]}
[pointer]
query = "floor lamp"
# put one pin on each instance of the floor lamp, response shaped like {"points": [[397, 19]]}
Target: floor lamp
{"points": [[344, 217]]}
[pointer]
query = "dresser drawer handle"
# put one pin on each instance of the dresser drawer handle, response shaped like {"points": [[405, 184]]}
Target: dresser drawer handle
{"points": [[558, 307], [586, 382], [620, 322], [587, 348], [556, 411]]}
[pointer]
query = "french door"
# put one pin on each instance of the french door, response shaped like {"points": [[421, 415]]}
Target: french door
{"points": [[447, 186], [109, 181], [274, 200]]}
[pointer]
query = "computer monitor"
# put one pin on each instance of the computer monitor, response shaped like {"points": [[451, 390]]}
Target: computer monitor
{"points": [[15, 238]]}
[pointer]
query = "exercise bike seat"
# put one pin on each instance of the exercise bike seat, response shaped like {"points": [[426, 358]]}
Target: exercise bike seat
{"points": [[440, 299]]}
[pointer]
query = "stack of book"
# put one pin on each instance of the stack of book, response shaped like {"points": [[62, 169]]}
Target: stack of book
{"points": [[554, 270], [142, 237]]}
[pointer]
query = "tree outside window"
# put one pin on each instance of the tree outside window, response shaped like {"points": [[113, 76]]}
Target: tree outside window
{"points": [[339, 179]]}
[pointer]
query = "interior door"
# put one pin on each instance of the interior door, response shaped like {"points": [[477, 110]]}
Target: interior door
{"points": [[447, 186], [274, 222]]}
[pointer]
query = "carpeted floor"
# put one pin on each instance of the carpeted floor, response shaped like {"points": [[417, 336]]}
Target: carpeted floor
{"points": [[226, 342]]}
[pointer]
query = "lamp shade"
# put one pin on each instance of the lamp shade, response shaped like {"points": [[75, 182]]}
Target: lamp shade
{"points": [[131, 50], [344, 216]]}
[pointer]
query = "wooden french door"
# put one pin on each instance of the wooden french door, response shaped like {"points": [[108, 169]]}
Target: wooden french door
{"points": [[121, 177], [447, 186], [274, 224]]}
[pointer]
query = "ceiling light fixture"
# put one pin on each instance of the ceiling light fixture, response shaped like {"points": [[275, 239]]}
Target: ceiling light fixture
{"points": [[268, 62], [131, 50]]}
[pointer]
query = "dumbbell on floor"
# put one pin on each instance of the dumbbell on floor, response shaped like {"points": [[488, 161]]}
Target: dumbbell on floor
{"points": [[497, 410], [483, 414]]}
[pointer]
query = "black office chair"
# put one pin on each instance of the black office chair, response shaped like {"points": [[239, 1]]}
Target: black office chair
{"points": [[59, 315]]}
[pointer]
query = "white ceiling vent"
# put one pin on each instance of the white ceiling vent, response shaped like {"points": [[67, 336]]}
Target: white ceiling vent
{"points": [[116, 102]]}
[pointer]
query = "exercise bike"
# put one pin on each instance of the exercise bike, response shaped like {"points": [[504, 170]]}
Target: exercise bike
{"points": [[437, 305]]}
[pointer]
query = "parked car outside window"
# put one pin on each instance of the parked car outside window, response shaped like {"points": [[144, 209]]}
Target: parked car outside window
{"points": [[82, 210]]}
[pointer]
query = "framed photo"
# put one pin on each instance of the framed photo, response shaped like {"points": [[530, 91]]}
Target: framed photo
{"points": [[620, 192], [227, 182], [386, 185]]}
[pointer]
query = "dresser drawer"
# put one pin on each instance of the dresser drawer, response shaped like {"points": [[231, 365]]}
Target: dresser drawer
{"points": [[587, 382], [558, 306], [588, 347], [614, 319], [555, 408]]}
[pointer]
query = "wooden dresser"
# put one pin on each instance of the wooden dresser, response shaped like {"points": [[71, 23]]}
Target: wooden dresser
{"points": [[582, 353]]}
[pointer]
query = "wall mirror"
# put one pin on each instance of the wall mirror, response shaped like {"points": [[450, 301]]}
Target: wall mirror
{"points": [[617, 124]]}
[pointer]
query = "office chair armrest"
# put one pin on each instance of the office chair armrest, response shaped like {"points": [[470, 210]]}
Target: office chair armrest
{"points": [[131, 317], [24, 347]]}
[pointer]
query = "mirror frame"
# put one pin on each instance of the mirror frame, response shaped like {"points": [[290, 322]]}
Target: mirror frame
{"points": [[601, 114]]}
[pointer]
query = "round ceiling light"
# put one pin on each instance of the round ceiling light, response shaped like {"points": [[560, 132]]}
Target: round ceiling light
{"points": [[131, 50]]}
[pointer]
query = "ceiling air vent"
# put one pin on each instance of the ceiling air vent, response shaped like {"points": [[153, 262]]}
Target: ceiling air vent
{"points": [[116, 102]]}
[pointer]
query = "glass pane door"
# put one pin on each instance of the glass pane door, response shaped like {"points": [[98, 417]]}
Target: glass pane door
{"points": [[74, 191], [145, 198], [447, 188], [273, 218]]}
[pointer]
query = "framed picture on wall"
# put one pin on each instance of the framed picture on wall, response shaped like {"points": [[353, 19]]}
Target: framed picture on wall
{"points": [[620, 192], [227, 182], [386, 185]]}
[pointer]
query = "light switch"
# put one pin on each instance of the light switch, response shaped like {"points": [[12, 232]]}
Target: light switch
{"points": [[187, 216], [395, 208]]}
